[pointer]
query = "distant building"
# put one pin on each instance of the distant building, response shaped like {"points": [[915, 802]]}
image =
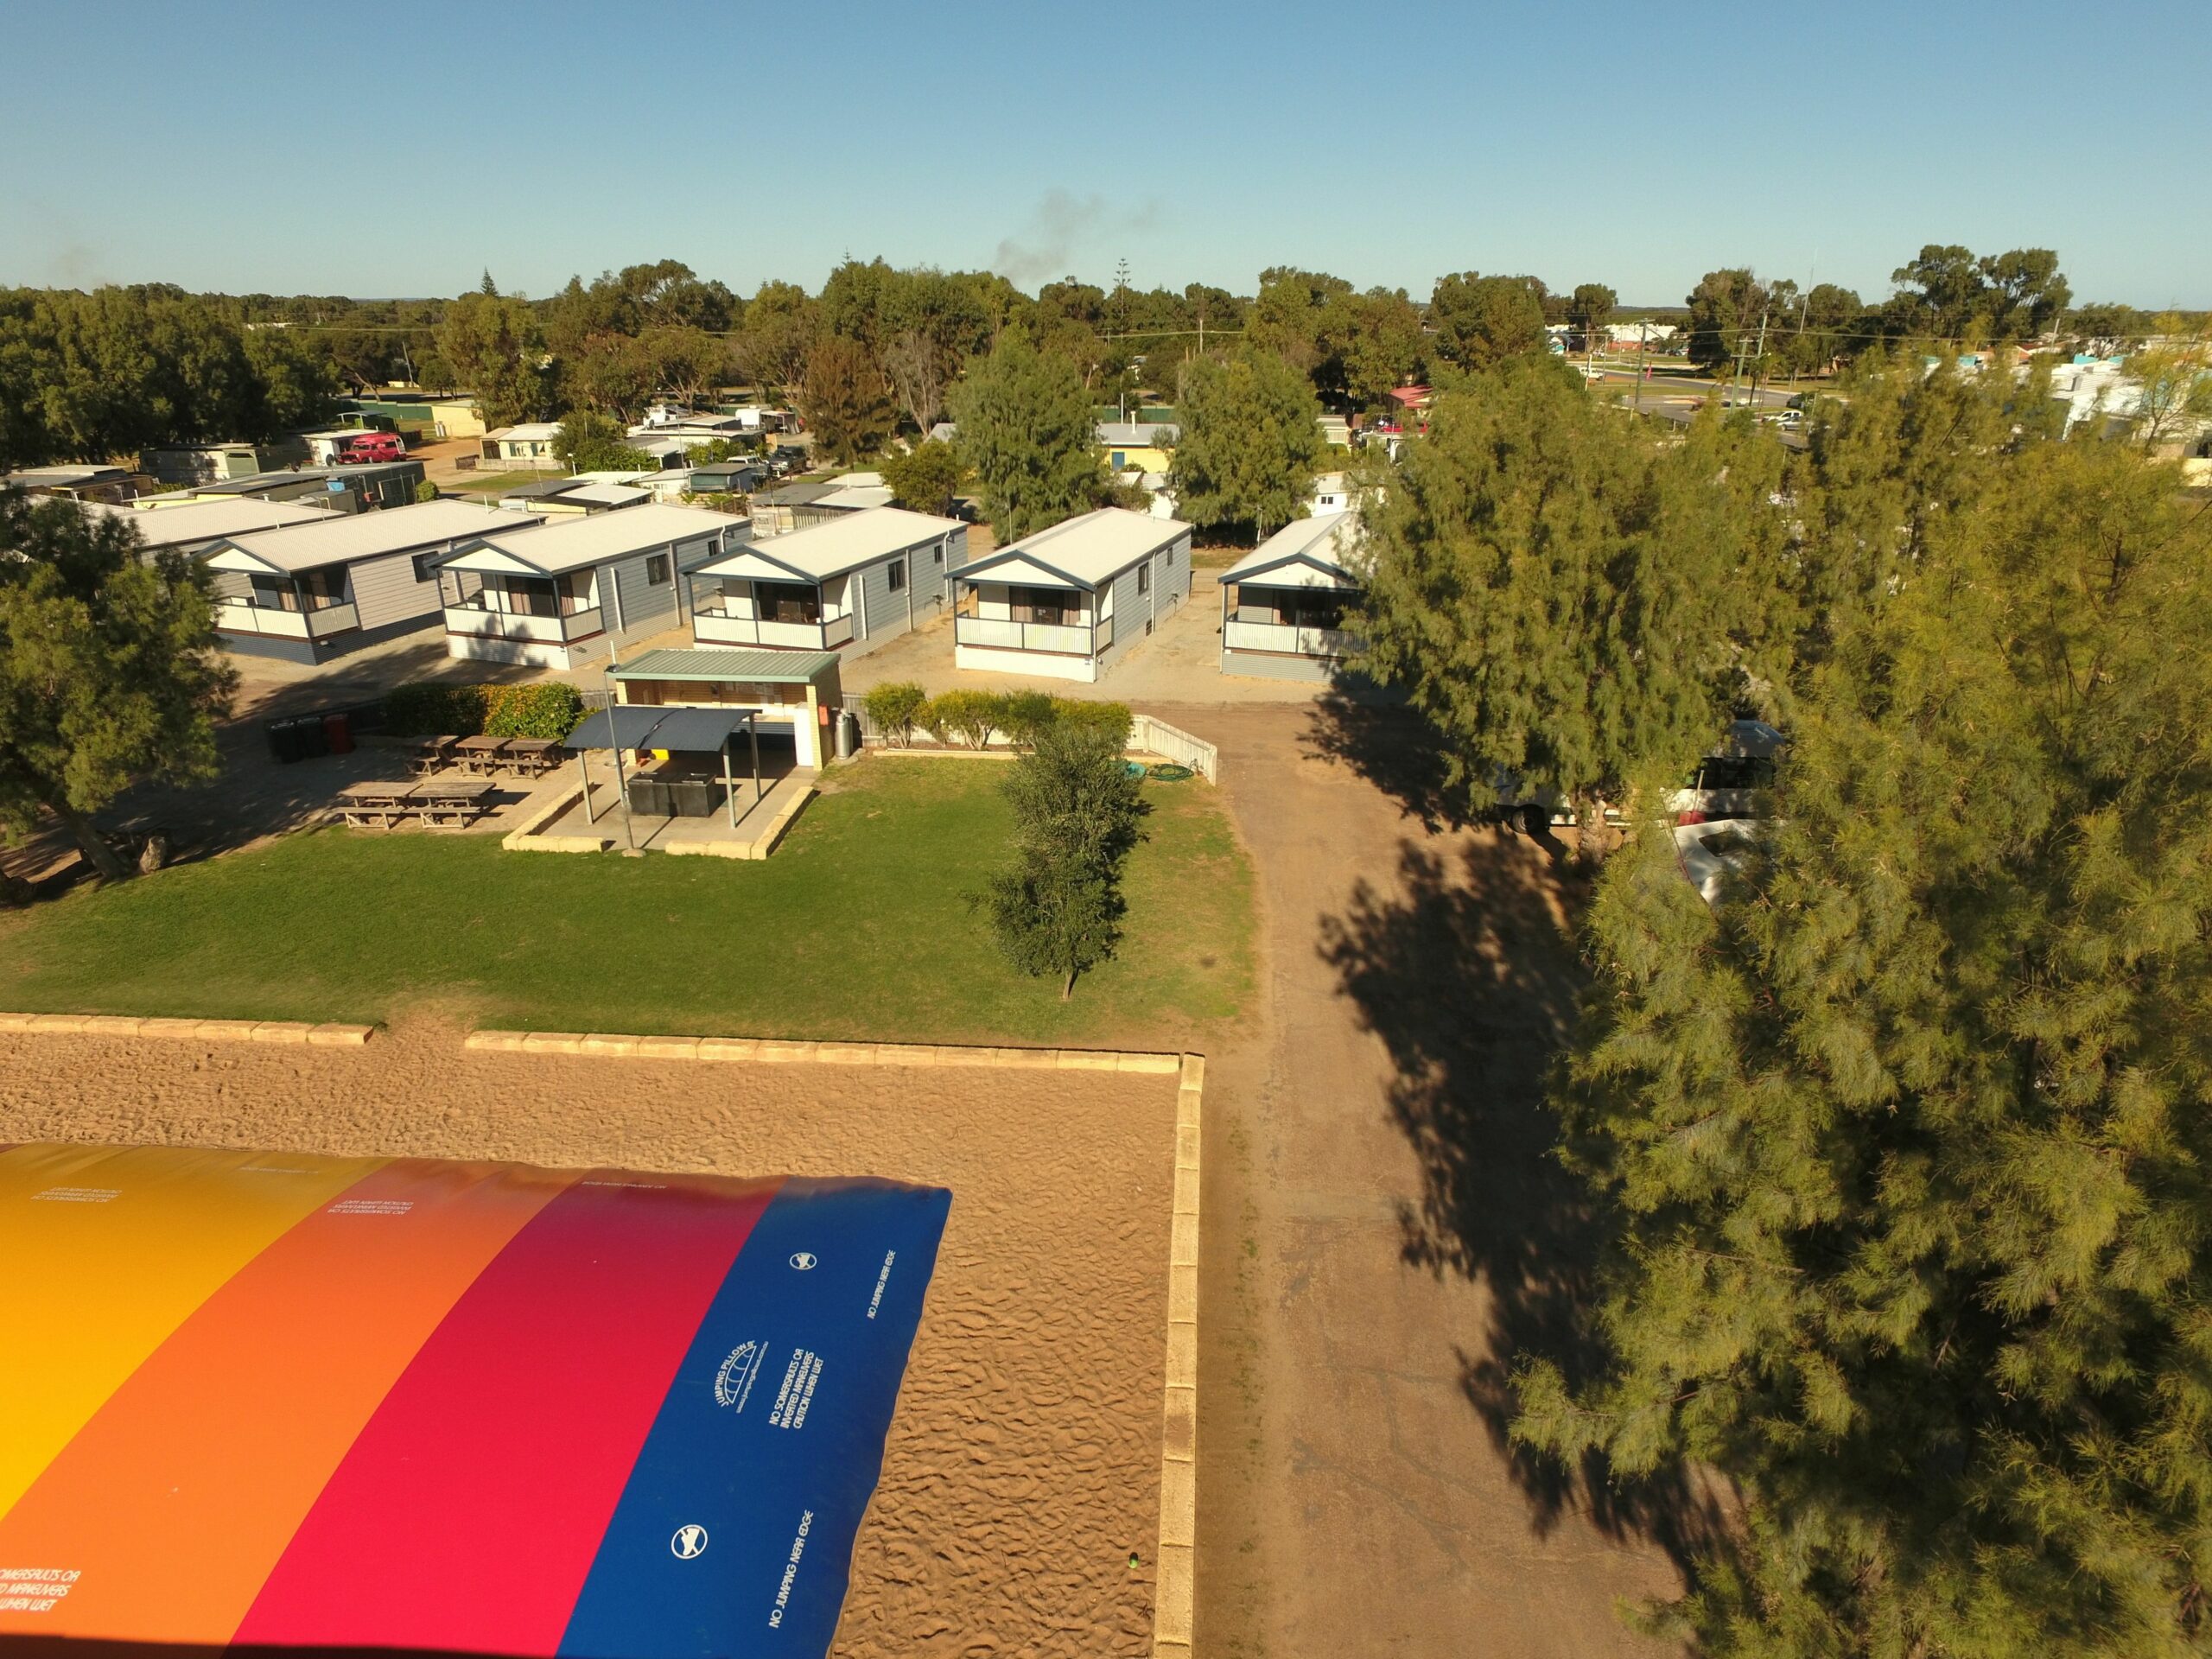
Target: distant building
{"points": [[360, 489], [196, 525], [794, 506], [557, 498], [113, 484], [526, 447], [1331, 494], [1139, 446], [1335, 431], [209, 462]]}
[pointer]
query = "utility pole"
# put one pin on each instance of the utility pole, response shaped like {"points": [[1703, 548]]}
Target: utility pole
{"points": [[1759, 353], [1643, 352]]}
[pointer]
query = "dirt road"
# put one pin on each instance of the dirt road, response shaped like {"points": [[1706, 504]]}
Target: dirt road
{"points": [[1385, 1229]]}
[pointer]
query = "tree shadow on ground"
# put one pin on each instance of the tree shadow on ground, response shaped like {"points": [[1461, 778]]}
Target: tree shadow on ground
{"points": [[1391, 746], [1466, 967]]}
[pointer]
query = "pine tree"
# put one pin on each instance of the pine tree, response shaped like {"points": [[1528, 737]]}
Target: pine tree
{"points": [[1907, 1137], [110, 670], [845, 400]]}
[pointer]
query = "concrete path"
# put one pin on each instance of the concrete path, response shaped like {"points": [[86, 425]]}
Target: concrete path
{"points": [[1385, 1228]]}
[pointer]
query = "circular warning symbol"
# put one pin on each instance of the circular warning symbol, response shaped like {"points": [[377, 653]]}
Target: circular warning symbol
{"points": [[803, 1260], [688, 1544]]}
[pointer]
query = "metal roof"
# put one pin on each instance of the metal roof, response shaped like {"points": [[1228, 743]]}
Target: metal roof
{"points": [[709, 664], [635, 726], [841, 544], [573, 544], [1320, 545], [207, 521], [340, 538], [1138, 434], [1088, 551]]}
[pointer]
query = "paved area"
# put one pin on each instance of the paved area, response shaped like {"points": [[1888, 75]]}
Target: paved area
{"points": [[711, 836], [1385, 1229]]}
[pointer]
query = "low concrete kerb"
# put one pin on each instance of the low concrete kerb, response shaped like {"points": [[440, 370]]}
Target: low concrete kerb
{"points": [[330, 1034], [1175, 1588], [770, 1050]]}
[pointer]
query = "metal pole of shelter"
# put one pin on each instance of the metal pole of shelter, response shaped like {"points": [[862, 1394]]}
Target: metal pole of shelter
{"points": [[729, 784], [752, 730], [615, 741]]}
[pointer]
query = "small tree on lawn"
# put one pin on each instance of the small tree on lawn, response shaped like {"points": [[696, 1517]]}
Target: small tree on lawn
{"points": [[923, 479], [1058, 909], [110, 670], [895, 709]]}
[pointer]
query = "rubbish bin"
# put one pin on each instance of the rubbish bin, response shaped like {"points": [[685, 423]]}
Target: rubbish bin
{"points": [[282, 749], [312, 742], [338, 732], [848, 736]]}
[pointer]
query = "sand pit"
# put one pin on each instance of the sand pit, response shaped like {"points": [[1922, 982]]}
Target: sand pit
{"points": [[1023, 1467]]}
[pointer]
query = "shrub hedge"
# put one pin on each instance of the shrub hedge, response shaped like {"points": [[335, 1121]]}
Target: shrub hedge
{"points": [[548, 709], [971, 718]]}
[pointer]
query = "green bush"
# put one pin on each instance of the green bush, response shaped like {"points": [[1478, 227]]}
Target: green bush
{"points": [[431, 707], [967, 716], [548, 709], [426, 491], [1028, 715], [895, 709], [1110, 717]]}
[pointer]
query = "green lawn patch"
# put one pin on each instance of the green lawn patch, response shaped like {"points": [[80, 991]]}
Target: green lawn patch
{"points": [[859, 926]]}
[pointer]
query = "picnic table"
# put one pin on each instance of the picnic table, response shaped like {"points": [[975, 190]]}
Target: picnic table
{"points": [[381, 805], [377, 803], [479, 754], [459, 800], [533, 757], [432, 754]]}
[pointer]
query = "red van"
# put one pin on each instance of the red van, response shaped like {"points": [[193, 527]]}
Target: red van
{"points": [[372, 446]]}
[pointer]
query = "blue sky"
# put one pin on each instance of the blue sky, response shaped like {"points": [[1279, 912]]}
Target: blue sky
{"points": [[285, 149]]}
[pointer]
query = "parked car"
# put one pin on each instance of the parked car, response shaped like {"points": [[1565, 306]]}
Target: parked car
{"points": [[372, 447], [1726, 783], [1710, 852]]}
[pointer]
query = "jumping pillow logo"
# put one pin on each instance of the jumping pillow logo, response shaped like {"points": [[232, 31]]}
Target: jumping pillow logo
{"points": [[734, 1377]]}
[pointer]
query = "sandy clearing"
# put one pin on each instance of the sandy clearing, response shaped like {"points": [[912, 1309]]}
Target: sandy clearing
{"points": [[1024, 1466]]}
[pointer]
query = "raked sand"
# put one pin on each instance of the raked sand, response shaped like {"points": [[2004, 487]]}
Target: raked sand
{"points": [[1023, 1467]]}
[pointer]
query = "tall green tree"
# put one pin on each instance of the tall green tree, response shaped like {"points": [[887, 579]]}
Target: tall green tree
{"points": [[1056, 910], [109, 669], [1250, 443], [588, 441], [492, 342], [844, 400], [1726, 307], [1569, 600], [1480, 320], [1905, 1140], [1588, 310], [1027, 433], [781, 325], [923, 479]]}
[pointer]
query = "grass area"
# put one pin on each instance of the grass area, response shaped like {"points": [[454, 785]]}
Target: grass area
{"points": [[859, 927], [494, 483]]}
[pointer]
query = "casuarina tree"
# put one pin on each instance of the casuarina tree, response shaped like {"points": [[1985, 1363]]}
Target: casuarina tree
{"points": [[109, 670], [1058, 909], [1567, 599], [1906, 1137]]}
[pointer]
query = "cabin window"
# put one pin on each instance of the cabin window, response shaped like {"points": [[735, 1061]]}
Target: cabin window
{"points": [[898, 575], [788, 601], [656, 569], [1144, 577], [1046, 605]]}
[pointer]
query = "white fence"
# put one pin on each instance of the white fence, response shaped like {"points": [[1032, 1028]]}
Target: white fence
{"points": [[1147, 737], [1158, 737]]}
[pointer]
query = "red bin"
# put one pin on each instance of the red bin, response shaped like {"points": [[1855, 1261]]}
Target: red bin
{"points": [[338, 733]]}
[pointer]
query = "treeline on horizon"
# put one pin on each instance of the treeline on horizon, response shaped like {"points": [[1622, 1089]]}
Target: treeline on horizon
{"points": [[101, 375]]}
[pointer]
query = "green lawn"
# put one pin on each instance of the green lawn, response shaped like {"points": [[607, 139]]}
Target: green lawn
{"points": [[859, 926], [495, 483]]}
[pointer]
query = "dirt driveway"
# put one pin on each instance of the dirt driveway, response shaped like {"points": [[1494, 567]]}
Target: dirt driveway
{"points": [[1385, 1229]]}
